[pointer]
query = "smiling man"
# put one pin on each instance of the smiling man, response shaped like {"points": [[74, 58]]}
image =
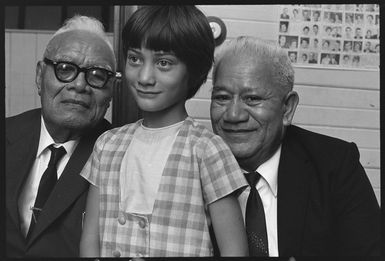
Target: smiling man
{"points": [[47, 148], [311, 196]]}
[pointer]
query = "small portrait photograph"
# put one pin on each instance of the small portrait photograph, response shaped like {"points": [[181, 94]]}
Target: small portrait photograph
{"points": [[282, 41], [336, 32], [369, 19], [316, 16], [332, 17], [359, 19], [338, 18], [334, 59], [285, 13], [356, 61], [306, 15], [359, 7], [346, 60], [325, 58], [325, 45], [305, 30], [350, 8], [303, 58], [349, 19], [327, 31], [296, 15], [313, 57], [369, 33], [292, 56], [369, 8], [283, 26], [335, 46], [369, 47], [348, 32], [315, 30], [348, 46], [304, 42], [375, 33], [292, 42], [327, 17], [358, 33], [314, 43], [357, 46]]}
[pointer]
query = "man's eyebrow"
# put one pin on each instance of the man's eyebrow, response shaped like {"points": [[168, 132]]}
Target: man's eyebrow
{"points": [[217, 88]]}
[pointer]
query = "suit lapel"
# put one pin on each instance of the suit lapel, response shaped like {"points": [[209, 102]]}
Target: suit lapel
{"points": [[293, 184], [70, 185], [21, 148]]}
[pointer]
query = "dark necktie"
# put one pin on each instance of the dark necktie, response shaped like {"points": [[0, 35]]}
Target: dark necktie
{"points": [[47, 183], [255, 219]]}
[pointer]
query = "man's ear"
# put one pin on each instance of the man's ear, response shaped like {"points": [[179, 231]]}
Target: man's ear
{"points": [[290, 105], [39, 75]]}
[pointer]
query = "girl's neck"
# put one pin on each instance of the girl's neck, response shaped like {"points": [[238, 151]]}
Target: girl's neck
{"points": [[165, 117]]}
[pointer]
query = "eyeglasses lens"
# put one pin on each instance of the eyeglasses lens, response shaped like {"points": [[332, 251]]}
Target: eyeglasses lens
{"points": [[97, 77], [66, 72]]}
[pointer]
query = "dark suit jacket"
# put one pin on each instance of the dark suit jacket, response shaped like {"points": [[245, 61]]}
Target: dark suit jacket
{"points": [[57, 234], [326, 205]]}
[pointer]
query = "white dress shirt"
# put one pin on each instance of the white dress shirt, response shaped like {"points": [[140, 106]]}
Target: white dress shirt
{"points": [[29, 192], [267, 187]]}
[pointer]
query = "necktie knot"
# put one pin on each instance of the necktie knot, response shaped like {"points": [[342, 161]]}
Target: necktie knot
{"points": [[56, 155], [252, 178]]}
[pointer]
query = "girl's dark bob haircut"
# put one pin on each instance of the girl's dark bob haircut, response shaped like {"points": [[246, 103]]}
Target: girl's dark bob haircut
{"points": [[183, 30]]}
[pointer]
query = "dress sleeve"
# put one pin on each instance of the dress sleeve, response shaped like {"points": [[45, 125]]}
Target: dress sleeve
{"points": [[219, 170], [91, 169]]}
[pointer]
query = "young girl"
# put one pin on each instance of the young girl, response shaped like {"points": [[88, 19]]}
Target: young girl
{"points": [[158, 184]]}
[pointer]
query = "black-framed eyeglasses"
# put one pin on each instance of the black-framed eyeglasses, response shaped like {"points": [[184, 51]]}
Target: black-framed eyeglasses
{"points": [[96, 77]]}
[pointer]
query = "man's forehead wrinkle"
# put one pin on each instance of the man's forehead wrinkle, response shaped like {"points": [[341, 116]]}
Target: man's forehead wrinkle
{"points": [[83, 48]]}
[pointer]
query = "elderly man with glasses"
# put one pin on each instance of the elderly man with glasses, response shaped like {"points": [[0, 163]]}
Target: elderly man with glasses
{"points": [[47, 148]]}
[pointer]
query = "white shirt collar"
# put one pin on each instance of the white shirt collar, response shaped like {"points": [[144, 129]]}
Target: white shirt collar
{"points": [[46, 140], [269, 171]]}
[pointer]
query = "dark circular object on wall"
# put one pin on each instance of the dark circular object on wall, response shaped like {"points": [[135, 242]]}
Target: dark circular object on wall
{"points": [[219, 29]]}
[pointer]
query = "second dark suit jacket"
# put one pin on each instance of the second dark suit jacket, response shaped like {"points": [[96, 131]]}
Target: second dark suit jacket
{"points": [[57, 234], [326, 205]]}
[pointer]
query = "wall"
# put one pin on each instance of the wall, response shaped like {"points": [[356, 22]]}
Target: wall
{"points": [[341, 103]]}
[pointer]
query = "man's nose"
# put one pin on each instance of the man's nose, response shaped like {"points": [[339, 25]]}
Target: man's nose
{"points": [[236, 112], [146, 75], [80, 83]]}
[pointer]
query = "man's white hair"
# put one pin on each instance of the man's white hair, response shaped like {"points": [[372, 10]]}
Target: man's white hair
{"points": [[266, 53], [85, 23]]}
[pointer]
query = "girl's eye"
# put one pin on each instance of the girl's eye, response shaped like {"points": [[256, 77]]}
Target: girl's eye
{"points": [[132, 59], [165, 64]]}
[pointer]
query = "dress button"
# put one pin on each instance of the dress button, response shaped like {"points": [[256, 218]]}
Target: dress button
{"points": [[116, 253], [121, 218], [142, 224]]}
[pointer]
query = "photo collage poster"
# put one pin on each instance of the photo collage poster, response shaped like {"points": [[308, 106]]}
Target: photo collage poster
{"points": [[331, 35]]}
